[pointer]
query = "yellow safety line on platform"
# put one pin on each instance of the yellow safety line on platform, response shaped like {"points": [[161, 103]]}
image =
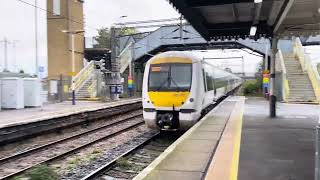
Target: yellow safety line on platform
{"points": [[236, 149], [225, 162], [143, 174]]}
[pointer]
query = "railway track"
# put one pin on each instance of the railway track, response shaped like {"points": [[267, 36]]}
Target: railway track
{"points": [[22, 132], [19, 163], [130, 163]]}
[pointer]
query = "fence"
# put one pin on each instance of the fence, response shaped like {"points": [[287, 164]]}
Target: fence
{"points": [[56, 90]]}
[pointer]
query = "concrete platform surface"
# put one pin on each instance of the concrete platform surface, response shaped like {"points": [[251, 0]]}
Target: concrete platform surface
{"points": [[188, 158], [281, 148], [23, 116]]}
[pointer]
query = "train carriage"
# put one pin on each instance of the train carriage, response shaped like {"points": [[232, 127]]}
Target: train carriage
{"points": [[178, 87]]}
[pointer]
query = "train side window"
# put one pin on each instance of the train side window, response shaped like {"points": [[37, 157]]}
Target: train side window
{"points": [[209, 77], [204, 80], [209, 81], [214, 82]]}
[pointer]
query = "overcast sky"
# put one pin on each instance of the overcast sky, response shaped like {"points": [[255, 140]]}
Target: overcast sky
{"points": [[17, 24]]}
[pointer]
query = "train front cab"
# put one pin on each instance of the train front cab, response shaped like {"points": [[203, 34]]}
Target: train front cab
{"points": [[169, 93]]}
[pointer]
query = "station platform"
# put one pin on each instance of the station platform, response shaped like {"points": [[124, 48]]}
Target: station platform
{"points": [[189, 157], [279, 148], [10, 118], [238, 140]]}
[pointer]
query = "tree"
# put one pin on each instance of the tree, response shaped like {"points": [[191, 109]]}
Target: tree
{"points": [[103, 38], [128, 31]]}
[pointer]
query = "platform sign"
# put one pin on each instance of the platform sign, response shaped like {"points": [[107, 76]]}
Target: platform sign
{"points": [[116, 89], [41, 72], [119, 89], [130, 82], [113, 89]]}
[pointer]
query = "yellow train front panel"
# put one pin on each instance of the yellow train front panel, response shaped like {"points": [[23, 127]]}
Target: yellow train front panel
{"points": [[168, 99]]}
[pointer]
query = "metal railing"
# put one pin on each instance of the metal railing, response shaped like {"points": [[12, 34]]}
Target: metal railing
{"points": [[80, 79], [92, 89], [285, 82], [126, 57], [308, 67]]}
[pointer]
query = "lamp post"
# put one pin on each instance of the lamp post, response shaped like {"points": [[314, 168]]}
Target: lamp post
{"points": [[115, 75], [36, 37], [5, 41], [14, 54], [73, 33]]}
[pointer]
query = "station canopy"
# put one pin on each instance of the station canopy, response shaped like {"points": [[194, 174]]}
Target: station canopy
{"points": [[226, 19]]}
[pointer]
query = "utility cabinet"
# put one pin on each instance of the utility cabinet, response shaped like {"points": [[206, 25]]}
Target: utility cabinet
{"points": [[32, 92], [12, 95]]}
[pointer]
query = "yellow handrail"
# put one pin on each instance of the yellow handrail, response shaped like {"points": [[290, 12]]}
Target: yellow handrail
{"points": [[299, 53], [285, 82], [92, 89], [308, 67], [82, 76]]}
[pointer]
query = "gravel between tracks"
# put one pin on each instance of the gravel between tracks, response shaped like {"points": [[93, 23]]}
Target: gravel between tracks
{"points": [[111, 150], [42, 155], [27, 144]]}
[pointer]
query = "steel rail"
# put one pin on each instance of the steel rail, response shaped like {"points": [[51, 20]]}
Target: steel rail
{"points": [[104, 167], [35, 149], [73, 150], [92, 118]]}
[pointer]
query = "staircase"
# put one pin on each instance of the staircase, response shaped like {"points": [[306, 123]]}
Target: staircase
{"points": [[83, 92], [301, 90], [85, 83]]}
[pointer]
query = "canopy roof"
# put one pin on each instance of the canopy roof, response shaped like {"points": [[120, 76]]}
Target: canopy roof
{"points": [[220, 19]]}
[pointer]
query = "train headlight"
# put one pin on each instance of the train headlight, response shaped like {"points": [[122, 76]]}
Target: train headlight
{"points": [[146, 100], [191, 99]]}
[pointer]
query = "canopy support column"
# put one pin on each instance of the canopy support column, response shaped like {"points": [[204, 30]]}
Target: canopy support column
{"points": [[273, 98]]}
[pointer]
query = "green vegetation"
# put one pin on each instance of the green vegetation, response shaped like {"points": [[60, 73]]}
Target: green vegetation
{"points": [[74, 162], [124, 163], [128, 31], [80, 160], [104, 36], [42, 172], [103, 39], [253, 87]]}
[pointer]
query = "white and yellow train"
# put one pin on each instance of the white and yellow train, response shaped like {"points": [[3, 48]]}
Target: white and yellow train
{"points": [[178, 87]]}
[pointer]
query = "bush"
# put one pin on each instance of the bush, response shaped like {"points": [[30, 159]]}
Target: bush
{"points": [[42, 173], [253, 87]]}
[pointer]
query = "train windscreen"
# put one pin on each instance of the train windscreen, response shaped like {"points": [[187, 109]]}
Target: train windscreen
{"points": [[170, 77]]}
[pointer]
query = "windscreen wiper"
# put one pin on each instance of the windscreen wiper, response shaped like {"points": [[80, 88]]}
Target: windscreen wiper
{"points": [[162, 84], [178, 87]]}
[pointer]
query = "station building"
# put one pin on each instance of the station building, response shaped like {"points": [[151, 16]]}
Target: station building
{"points": [[64, 15]]}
